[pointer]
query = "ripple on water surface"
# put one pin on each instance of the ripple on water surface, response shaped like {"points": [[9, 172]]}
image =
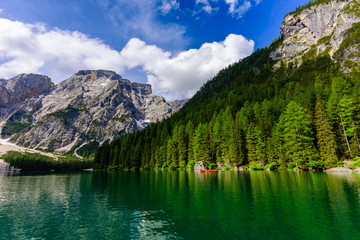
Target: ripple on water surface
{"points": [[180, 205]]}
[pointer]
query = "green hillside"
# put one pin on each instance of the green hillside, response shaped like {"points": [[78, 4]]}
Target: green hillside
{"points": [[304, 117]]}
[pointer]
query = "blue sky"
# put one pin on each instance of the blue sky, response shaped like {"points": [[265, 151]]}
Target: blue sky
{"points": [[175, 45]]}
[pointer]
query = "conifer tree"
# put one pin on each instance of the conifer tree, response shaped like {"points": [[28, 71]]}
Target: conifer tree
{"points": [[169, 151], [260, 147], [246, 116], [272, 151], [251, 141], [189, 130], [225, 136], [345, 112], [162, 155], [218, 136], [182, 146], [339, 87], [356, 104], [202, 151], [325, 136], [115, 160], [297, 134], [236, 148]]}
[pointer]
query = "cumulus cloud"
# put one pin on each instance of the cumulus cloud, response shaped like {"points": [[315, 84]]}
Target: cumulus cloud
{"points": [[168, 5], [32, 48], [183, 75]]}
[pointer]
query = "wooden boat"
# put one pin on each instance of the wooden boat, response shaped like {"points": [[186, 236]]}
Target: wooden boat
{"points": [[208, 171]]}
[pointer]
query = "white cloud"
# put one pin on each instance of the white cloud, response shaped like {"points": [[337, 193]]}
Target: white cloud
{"points": [[1, 10], [206, 6], [183, 75], [168, 5], [32, 48], [237, 9]]}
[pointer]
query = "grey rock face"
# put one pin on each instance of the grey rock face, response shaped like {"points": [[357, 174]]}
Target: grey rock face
{"points": [[93, 105], [20, 95], [301, 32], [21, 87]]}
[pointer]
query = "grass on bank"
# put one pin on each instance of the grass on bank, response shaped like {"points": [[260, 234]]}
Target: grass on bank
{"points": [[35, 162]]}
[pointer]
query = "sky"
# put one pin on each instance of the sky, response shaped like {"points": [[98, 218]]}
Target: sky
{"points": [[175, 45]]}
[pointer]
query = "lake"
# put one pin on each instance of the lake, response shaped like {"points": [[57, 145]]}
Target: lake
{"points": [[181, 205]]}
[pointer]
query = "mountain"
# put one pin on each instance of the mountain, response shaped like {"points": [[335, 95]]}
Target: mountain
{"points": [[90, 106], [24, 86], [19, 98], [321, 27], [292, 105]]}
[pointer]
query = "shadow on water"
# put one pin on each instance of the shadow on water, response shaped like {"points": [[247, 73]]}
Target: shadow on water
{"points": [[181, 204]]}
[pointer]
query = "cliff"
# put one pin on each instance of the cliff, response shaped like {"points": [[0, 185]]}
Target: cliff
{"points": [[321, 28]]}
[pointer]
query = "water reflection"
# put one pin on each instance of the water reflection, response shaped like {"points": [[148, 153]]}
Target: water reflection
{"points": [[182, 205], [6, 170]]}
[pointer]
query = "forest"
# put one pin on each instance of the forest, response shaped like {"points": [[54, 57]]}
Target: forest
{"points": [[35, 162], [294, 116]]}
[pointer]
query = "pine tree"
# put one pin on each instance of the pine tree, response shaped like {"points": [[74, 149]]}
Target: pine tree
{"points": [[162, 155], [217, 133], [271, 150], [266, 120], [135, 156], [339, 87], [345, 112], [116, 156], [356, 104], [189, 130], [246, 116], [236, 148], [325, 136], [182, 146], [298, 135], [202, 150], [251, 141], [260, 147], [225, 136]]}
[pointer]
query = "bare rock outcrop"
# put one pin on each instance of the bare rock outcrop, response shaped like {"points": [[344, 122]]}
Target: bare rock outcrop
{"points": [[22, 87], [318, 28]]}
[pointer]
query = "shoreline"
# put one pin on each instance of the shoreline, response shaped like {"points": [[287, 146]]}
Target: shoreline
{"points": [[6, 146]]}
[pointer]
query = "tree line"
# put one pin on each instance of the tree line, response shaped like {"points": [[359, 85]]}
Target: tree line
{"points": [[303, 116]]}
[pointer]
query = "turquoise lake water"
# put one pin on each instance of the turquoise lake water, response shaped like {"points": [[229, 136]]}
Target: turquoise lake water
{"points": [[181, 205]]}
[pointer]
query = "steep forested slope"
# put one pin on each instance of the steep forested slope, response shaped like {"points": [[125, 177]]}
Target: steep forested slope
{"points": [[261, 112], [307, 116]]}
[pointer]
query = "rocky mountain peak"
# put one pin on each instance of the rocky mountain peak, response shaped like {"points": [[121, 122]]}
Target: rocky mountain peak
{"points": [[91, 105], [97, 73], [317, 28], [24, 86]]}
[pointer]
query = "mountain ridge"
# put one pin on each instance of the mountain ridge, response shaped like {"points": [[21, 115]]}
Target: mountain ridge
{"points": [[91, 105]]}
